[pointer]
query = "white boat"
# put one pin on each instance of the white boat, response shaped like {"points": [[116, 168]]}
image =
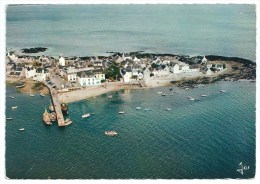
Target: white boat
{"points": [[192, 99], [138, 108], [111, 133], [12, 97], [187, 89], [109, 96], [203, 95], [147, 109], [159, 92], [9, 118], [21, 129], [121, 112], [67, 122], [222, 91], [14, 107], [168, 109], [189, 97], [85, 115], [42, 94], [20, 85]]}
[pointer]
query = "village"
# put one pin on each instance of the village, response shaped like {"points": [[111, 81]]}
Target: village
{"points": [[75, 73]]}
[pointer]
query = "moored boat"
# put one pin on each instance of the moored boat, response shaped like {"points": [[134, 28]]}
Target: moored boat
{"points": [[9, 118], [222, 91], [85, 115], [111, 133], [168, 109], [163, 94], [64, 108], [42, 94], [67, 122], [12, 97], [53, 116], [147, 109], [21, 129], [46, 117], [121, 112], [109, 96], [138, 108], [192, 99], [20, 85], [14, 107], [203, 95]]}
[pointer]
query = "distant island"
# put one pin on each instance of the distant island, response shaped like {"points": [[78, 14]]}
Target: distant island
{"points": [[33, 50]]}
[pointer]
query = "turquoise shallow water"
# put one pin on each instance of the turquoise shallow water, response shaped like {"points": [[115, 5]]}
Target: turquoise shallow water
{"points": [[227, 30], [196, 139]]}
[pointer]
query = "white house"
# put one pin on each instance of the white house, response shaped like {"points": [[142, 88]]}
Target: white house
{"points": [[62, 61], [204, 60], [99, 74], [41, 74], [87, 78], [30, 72], [126, 56], [219, 67], [175, 68], [136, 59], [185, 68], [127, 74]]}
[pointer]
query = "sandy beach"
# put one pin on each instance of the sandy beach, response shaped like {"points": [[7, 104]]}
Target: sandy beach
{"points": [[89, 92]]}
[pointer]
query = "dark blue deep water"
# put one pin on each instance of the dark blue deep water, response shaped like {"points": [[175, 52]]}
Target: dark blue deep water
{"points": [[196, 139]]}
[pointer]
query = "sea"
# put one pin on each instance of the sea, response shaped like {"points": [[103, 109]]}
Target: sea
{"points": [[209, 138], [92, 30], [202, 139]]}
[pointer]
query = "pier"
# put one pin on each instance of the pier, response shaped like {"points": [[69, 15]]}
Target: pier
{"points": [[56, 105]]}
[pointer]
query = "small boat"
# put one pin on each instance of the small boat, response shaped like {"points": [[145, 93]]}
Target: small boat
{"points": [[67, 122], [147, 109], [171, 94], [12, 97], [53, 116], [189, 97], [121, 112], [21, 129], [32, 95], [42, 94], [20, 85], [203, 95], [85, 115], [163, 94], [9, 118], [168, 109], [170, 89], [192, 99], [93, 113], [222, 91], [159, 92], [138, 108], [14, 107], [109, 96], [46, 117], [111, 133], [196, 86], [187, 89], [197, 99]]}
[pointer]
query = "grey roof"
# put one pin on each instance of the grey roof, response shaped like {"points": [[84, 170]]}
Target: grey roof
{"points": [[85, 74], [39, 70]]}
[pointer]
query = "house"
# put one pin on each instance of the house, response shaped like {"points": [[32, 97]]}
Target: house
{"points": [[175, 68], [30, 72], [99, 74], [62, 61], [41, 74], [185, 68], [204, 60], [219, 67], [87, 78], [126, 56], [127, 74]]}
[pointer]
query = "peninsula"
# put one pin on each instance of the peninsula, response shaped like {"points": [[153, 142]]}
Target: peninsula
{"points": [[76, 78]]}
